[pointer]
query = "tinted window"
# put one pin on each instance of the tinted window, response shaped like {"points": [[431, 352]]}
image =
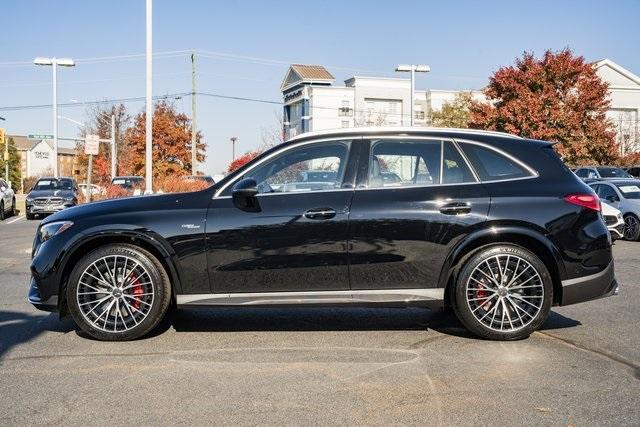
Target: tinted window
{"points": [[399, 163], [582, 173], [491, 165], [454, 169], [298, 169], [613, 173], [607, 193]]}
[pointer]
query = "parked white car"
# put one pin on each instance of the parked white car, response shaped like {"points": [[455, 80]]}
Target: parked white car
{"points": [[95, 189], [614, 220], [7, 200]]}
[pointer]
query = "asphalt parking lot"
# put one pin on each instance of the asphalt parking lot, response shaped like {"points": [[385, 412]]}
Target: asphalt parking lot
{"points": [[318, 366]]}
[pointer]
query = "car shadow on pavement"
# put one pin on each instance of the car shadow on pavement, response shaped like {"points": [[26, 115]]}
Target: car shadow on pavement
{"points": [[328, 319], [18, 327]]}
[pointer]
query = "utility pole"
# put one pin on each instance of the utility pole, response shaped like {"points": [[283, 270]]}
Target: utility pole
{"points": [[194, 128], [5, 141], [114, 148], [233, 145], [149, 100]]}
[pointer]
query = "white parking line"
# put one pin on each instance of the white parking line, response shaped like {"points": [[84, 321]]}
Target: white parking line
{"points": [[15, 220]]}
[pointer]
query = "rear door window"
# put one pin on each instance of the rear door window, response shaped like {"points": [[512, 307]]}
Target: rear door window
{"points": [[491, 165]]}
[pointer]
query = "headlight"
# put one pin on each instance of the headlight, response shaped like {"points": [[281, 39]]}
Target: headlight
{"points": [[29, 199], [47, 231], [69, 199]]}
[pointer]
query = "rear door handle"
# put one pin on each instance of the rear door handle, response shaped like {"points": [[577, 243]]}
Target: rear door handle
{"points": [[320, 213], [456, 208]]}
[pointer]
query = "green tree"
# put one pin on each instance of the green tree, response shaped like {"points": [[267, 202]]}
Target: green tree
{"points": [[454, 114], [14, 164]]}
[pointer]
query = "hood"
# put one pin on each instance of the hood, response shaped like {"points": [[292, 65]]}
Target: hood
{"points": [[51, 193]]}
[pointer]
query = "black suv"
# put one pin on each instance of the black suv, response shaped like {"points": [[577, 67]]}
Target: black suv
{"points": [[501, 231], [50, 195]]}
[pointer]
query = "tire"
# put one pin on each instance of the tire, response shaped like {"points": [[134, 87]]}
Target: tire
{"points": [[14, 208], [2, 215], [29, 216], [489, 301], [124, 312], [631, 227]]}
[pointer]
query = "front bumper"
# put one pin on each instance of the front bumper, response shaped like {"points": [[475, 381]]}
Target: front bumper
{"points": [[35, 298], [587, 288], [46, 209]]}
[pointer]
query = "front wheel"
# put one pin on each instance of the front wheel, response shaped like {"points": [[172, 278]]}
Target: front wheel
{"points": [[631, 227], [503, 293], [14, 208], [118, 292], [2, 216]]}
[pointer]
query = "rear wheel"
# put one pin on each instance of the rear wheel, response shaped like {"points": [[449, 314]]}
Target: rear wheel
{"points": [[503, 293], [118, 292], [631, 227]]}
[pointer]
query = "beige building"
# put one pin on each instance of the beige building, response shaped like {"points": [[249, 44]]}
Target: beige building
{"points": [[36, 155]]}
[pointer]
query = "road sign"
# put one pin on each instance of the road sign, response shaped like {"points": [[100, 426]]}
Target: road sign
{"points": [[92, 145], [40, 136]]}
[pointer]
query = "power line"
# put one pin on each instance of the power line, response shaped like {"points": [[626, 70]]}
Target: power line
{"points": [[85, 103], [101, 59]]}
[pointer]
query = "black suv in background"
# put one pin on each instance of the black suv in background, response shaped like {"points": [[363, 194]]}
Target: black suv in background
{"points": [[50, 195], [490, 224]]}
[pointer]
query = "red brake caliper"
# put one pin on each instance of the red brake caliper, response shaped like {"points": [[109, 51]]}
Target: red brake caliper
{"points": [[137, 291], [483, 293]]}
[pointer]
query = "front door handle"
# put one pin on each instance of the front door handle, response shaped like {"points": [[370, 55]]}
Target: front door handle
{"points": [[456, 208], [320, 213]]}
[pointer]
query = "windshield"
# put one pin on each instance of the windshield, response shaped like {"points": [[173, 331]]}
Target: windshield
{"points": [[613, 173], [53, 184], [629, 191]]}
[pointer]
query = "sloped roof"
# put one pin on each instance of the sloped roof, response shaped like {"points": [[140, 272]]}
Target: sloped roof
{"points": [[618, 68], [304, 73], [23, 143]]}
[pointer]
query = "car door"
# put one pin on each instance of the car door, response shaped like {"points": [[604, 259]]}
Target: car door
{"points": [[297, 241], [5, 194], [401, 232]]}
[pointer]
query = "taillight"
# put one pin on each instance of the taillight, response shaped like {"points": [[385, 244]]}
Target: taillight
{"points": [[589, 201]]}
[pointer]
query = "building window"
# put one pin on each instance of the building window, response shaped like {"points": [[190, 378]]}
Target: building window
{"points": [[419, 115], [345, 110], [345, 123]]}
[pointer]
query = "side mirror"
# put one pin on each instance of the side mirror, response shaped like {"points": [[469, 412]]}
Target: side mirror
{"points": [[244, 195]]}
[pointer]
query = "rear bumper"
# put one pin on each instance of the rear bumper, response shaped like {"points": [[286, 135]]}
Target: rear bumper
{"points": [[587, 288]]}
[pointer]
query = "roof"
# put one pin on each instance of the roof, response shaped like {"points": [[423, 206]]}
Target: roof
{"points": [[303, 73], [619, 68], [23, 143], [397, 130]]}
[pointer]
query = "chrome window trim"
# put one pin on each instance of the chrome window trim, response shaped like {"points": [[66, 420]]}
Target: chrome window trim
{"points": [[466, 160], [281, 151], [533, 172]]}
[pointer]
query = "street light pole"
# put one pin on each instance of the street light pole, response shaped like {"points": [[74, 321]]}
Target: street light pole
{"points": [[413, 69], [149, 106], [5, 140], [54, 62], [233, 145], [114, 149]]}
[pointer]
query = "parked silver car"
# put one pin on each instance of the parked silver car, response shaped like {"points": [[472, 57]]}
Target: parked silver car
{"points": [[7, 200], [624, 195]]}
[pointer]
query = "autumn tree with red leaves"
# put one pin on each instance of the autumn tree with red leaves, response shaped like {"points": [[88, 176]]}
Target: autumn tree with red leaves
{"points": [[242, 160], [171, 143], [558, 97]]}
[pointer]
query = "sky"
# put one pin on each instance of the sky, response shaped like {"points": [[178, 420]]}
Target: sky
{"points": [[248, 45]]}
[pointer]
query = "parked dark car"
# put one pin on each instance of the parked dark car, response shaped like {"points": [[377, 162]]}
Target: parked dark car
{"points": [[50, 195], [596, 173], [134, 185], [503, 232]]}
